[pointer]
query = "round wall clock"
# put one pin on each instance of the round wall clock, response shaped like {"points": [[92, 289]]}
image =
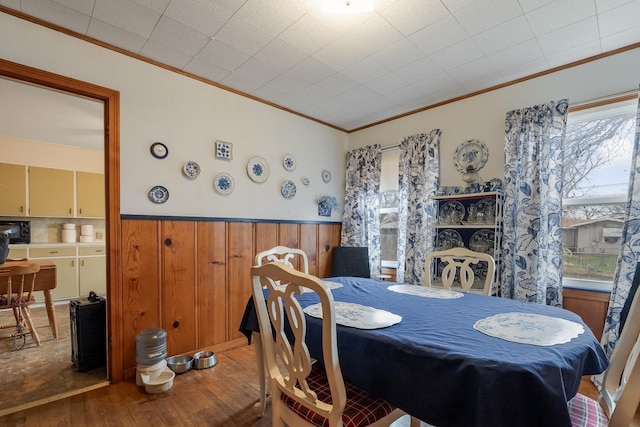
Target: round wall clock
{"points": [[159, 150]]}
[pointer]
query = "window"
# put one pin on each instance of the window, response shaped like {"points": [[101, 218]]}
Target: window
{"points": [[598, 149], [389, 208]]}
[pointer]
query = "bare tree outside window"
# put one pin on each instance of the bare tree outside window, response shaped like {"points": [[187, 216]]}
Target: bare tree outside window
{"points": [[597, 160]]}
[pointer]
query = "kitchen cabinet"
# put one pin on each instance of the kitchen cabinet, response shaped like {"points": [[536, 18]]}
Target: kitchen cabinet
{"points": [[90, 195], [92, 270], [66, 269], [17, 253], [13, 181], [51, 192]]}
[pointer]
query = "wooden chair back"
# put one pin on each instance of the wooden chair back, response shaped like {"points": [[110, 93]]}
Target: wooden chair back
{"points": [[460, 263], [285, 255], [17, 283]]}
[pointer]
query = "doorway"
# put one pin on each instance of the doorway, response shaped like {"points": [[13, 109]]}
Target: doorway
{"points": [[110, 99]]}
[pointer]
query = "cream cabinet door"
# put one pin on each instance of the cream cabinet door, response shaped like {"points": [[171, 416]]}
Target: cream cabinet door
{"points": [[13, 187], [91, 194], [66, 270], [51, 192], [93, 275]]}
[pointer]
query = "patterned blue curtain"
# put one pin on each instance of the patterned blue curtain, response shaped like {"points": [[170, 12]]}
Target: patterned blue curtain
{"points": [[629, 251], [361, 219], [419, 174], [532, 240]]}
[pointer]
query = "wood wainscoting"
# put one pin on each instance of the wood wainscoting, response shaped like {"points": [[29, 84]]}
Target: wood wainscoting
{"points": [[590, 305], [191, 277]]}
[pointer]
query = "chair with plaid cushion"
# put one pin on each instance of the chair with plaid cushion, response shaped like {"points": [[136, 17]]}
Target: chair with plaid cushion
{"points": [[292, 257], [620, 393], [306, 393]]}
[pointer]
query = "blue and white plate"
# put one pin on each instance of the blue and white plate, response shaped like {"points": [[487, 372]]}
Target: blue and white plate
{"points": [[289, 162], [288, 189], [471, 155], [258, 169], [223, 183], [158, 194]]}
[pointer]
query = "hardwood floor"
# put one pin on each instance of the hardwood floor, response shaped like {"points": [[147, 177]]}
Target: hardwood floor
{"points": [[223, 396]]}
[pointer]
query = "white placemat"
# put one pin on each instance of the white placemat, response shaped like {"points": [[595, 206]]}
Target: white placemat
{"points": [[357, 316], [423, 291], [529, 328]]}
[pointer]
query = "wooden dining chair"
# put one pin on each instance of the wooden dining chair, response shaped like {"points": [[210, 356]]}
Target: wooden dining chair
{"points": [[16, 293], [287, 256], [619, 395], [307, 393], [459, 263]]}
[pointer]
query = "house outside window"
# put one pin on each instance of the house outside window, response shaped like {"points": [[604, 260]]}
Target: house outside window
{"points": [[389, 208], [598, 149]]}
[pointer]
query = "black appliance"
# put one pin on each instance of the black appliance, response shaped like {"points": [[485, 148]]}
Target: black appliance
{"points": [[19, 231], [88, 332]]}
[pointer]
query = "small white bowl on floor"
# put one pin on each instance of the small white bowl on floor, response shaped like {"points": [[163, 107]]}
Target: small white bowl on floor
{"points": [[162, 382]]}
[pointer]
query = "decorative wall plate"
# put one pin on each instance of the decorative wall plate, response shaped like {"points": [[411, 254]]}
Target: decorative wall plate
{"points": [[471, 156], [258, 169], [223, 183], [288, 189], [158, 194], [191, 169], [289, 162], [159, 150], [326, 175], [224, 150]]}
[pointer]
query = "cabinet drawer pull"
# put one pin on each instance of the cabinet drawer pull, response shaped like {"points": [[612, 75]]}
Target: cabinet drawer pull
{"points": [[82, 263], [70, 210], [21, 209], [53, 252]]}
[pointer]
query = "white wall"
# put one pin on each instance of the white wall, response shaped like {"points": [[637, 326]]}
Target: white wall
{"points": [[188, 116], [33, 153], [482, 117]]}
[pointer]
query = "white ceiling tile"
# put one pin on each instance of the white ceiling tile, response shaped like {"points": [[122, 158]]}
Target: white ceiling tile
{"points": [[408, 16], [288, 83], [270, 93], [243, 36], [404, 95], [272, 17], [85, 7], [117, 37], [520, 70], [482, 82], [453, 5], [456, 55], [308, 35], [12, 4], [339, 55], [618, 40], [418, 70], [604, 5], [127, 15], [436, 83], [502, 36], [281, 52], [398, 55], [200, 67], [164, 54], [223, 56], [573, 53], [311, 71], [474, 70], [260, 70], [479, 16], [558, 14], [364, 71], [178, 36], [371, 36], [239, 82], [568, 37], [519, 54], [58, 14], [439, 35], [387, 83], [204, 16], [529, 5], [620, 19], [157, 5]]}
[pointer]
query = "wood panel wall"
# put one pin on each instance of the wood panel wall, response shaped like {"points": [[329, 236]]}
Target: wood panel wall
{"points": [[191, 278]]}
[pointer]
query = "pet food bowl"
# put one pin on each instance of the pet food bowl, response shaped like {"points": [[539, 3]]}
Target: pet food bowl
{"points": [[162, 382], [204, 360], [180, 364]]}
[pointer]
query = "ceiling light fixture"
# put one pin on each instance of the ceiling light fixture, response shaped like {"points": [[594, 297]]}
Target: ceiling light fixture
{"points": [[348, 6]]}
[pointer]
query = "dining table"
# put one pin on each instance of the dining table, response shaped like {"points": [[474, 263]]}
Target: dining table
{"points": [[45, 283], [455, 359]]}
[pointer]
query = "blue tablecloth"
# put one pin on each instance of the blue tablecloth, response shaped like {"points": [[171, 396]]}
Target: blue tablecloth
{"points": [[435, 366]]}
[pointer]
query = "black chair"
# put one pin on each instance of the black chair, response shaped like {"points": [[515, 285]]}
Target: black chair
{"points": [[350, 261], [627, 304]]}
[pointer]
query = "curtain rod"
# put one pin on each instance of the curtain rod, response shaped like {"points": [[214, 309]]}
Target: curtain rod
{"points": [[390, 148]]}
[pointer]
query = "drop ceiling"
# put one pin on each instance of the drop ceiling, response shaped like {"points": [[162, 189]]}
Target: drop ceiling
{"points": [[351, 71]]}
